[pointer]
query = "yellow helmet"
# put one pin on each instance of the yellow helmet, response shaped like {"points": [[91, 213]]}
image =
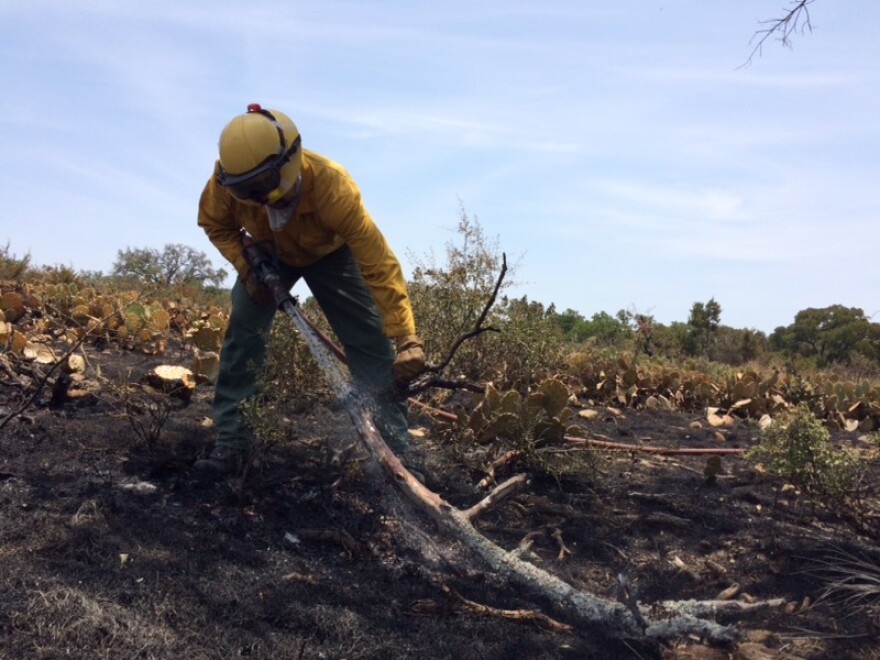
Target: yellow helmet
{"points": [[260, 155]]}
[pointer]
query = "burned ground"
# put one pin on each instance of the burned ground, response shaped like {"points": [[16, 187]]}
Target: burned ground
{"points": [[111, 548]]}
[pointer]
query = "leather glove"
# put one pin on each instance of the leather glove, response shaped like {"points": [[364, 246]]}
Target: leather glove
{"points": [[410, 360], [258, 291]]}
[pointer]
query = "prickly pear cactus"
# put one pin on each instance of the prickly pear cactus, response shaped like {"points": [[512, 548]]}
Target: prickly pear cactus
{"points": [[541, 416]]}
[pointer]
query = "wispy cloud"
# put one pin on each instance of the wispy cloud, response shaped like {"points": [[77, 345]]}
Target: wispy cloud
{"points": [[708, 204], [589, 136], [752, 77]]}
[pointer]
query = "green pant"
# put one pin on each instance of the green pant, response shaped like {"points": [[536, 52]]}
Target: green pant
{"points": [[336, 283]]}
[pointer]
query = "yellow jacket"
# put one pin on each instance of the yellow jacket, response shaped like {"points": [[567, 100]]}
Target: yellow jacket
{"points": [[330, 214]]}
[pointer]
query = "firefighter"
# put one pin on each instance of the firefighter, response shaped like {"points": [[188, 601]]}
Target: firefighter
{"points": [[309, 211]]}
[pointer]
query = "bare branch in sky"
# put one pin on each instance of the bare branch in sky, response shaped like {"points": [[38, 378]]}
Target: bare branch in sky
{"points": [[796, 19]]}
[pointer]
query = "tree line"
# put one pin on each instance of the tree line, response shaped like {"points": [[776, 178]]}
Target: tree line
{"points": [[447, 296], [822, 336]]}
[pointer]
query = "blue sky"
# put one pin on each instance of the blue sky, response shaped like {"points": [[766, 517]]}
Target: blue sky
{"points": [[618, 151]]}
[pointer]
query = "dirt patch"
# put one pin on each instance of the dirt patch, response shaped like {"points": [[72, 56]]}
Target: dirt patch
{"points": [[111, 548]]}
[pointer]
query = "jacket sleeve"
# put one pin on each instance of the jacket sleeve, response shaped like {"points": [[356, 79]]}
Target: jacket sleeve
{"points": [[343, 211], [218, 219]]}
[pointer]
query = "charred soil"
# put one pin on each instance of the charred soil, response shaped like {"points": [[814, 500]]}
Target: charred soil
{"points": [[113, 548]]}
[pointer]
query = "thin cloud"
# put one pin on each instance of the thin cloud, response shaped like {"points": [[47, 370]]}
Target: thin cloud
{"points": [[747, 78], [704, 203], [593, 137]]}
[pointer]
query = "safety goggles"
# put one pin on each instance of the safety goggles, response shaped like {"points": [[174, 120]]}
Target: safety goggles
{"points": [[257, 183]]}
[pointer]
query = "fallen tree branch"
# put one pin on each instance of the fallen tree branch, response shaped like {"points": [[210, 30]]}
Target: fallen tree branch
{"points": [[431, 410], [587, 608], [512, 455], [704, 608], [614, 618]]}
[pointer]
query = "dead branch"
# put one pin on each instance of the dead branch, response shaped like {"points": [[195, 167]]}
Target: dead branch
{"points": [[498, 494], [582, 606], [614, 617], [703, 608], [442, 414], [479, 328], [537, 617], [432, 376], [564, 550], [622, 446], [432, 380], [665, 520], [796, 19], [501, 461], [6, 368], [524, 548], [338, 536]]}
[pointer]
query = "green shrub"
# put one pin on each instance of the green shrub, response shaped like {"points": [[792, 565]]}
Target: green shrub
{"points": [[290, 383], [528, 347], [11, 266], [797, 449], [448, 299]]}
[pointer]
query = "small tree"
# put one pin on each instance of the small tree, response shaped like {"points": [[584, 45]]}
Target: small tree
{"points": [[704, 321], [829, 334], [673, 340], [448, 298], [13, 267], [607, 329], [736, 346], [175, 264], [571, 324], [528, 348]]}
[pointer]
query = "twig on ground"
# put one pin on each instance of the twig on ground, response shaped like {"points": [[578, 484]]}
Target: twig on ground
{"points": [[498, 494], [564, 550], [622, 446], [505, 458], [535, 616], [628, 596], [338, 536], [524, 548]]}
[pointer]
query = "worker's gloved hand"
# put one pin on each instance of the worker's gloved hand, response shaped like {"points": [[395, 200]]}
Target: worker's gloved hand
{"points": [[410, 360], [258, 292]]}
